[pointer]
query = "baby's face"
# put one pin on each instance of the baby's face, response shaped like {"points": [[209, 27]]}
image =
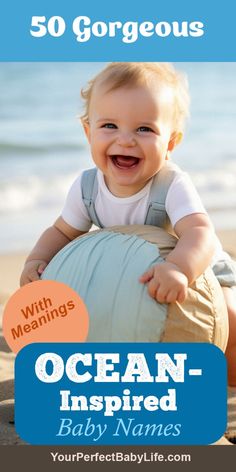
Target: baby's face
{"points": [[129, 132]]}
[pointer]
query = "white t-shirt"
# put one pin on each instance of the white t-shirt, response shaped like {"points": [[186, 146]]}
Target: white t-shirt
{"points": [[182, 200]]}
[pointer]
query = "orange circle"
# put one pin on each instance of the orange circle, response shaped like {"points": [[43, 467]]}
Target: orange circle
{"points": [[44, 311]]}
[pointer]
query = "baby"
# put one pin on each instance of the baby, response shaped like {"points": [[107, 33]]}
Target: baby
{"points": [[133, 120]]}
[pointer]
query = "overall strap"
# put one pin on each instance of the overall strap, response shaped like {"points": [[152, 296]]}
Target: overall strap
{"points": [[89, 188], [156, 213]]}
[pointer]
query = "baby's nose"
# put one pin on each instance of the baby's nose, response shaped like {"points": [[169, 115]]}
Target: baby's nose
{"points": [[126, 139]]}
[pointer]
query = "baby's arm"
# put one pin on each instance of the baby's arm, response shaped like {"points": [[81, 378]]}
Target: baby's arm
{"points": [[50, 242], [193, 253]]}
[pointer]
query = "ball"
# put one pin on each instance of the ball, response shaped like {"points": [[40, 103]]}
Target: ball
{"points": [[104, 267]]}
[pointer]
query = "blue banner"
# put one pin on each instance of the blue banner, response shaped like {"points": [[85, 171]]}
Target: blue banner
{"points": [[72, 30], [120, 394]]}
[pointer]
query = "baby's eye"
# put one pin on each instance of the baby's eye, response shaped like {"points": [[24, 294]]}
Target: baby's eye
{"points": [[145, 129], [109, 126]]}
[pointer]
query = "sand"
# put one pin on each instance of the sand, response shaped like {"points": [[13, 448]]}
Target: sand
{"points": [[11, 266]]}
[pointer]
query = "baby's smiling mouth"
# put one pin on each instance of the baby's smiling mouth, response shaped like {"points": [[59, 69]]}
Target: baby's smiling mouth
{"points": [[125, 162]]}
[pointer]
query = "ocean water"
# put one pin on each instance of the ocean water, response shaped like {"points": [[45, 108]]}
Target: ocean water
{"points": [[42, 146]]}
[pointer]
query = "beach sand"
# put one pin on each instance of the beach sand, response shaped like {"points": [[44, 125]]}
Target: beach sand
{"points": [[11, 266]]}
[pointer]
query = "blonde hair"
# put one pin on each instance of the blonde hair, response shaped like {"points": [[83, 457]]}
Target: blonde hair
{"points": [[129, 74]]}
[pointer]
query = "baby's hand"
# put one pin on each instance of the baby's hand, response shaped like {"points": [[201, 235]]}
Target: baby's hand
{"points": [[32, 271], [166, 283]]}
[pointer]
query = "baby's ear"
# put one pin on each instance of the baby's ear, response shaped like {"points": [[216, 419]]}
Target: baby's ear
{"points": [[86, 127], [175, 139]]}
